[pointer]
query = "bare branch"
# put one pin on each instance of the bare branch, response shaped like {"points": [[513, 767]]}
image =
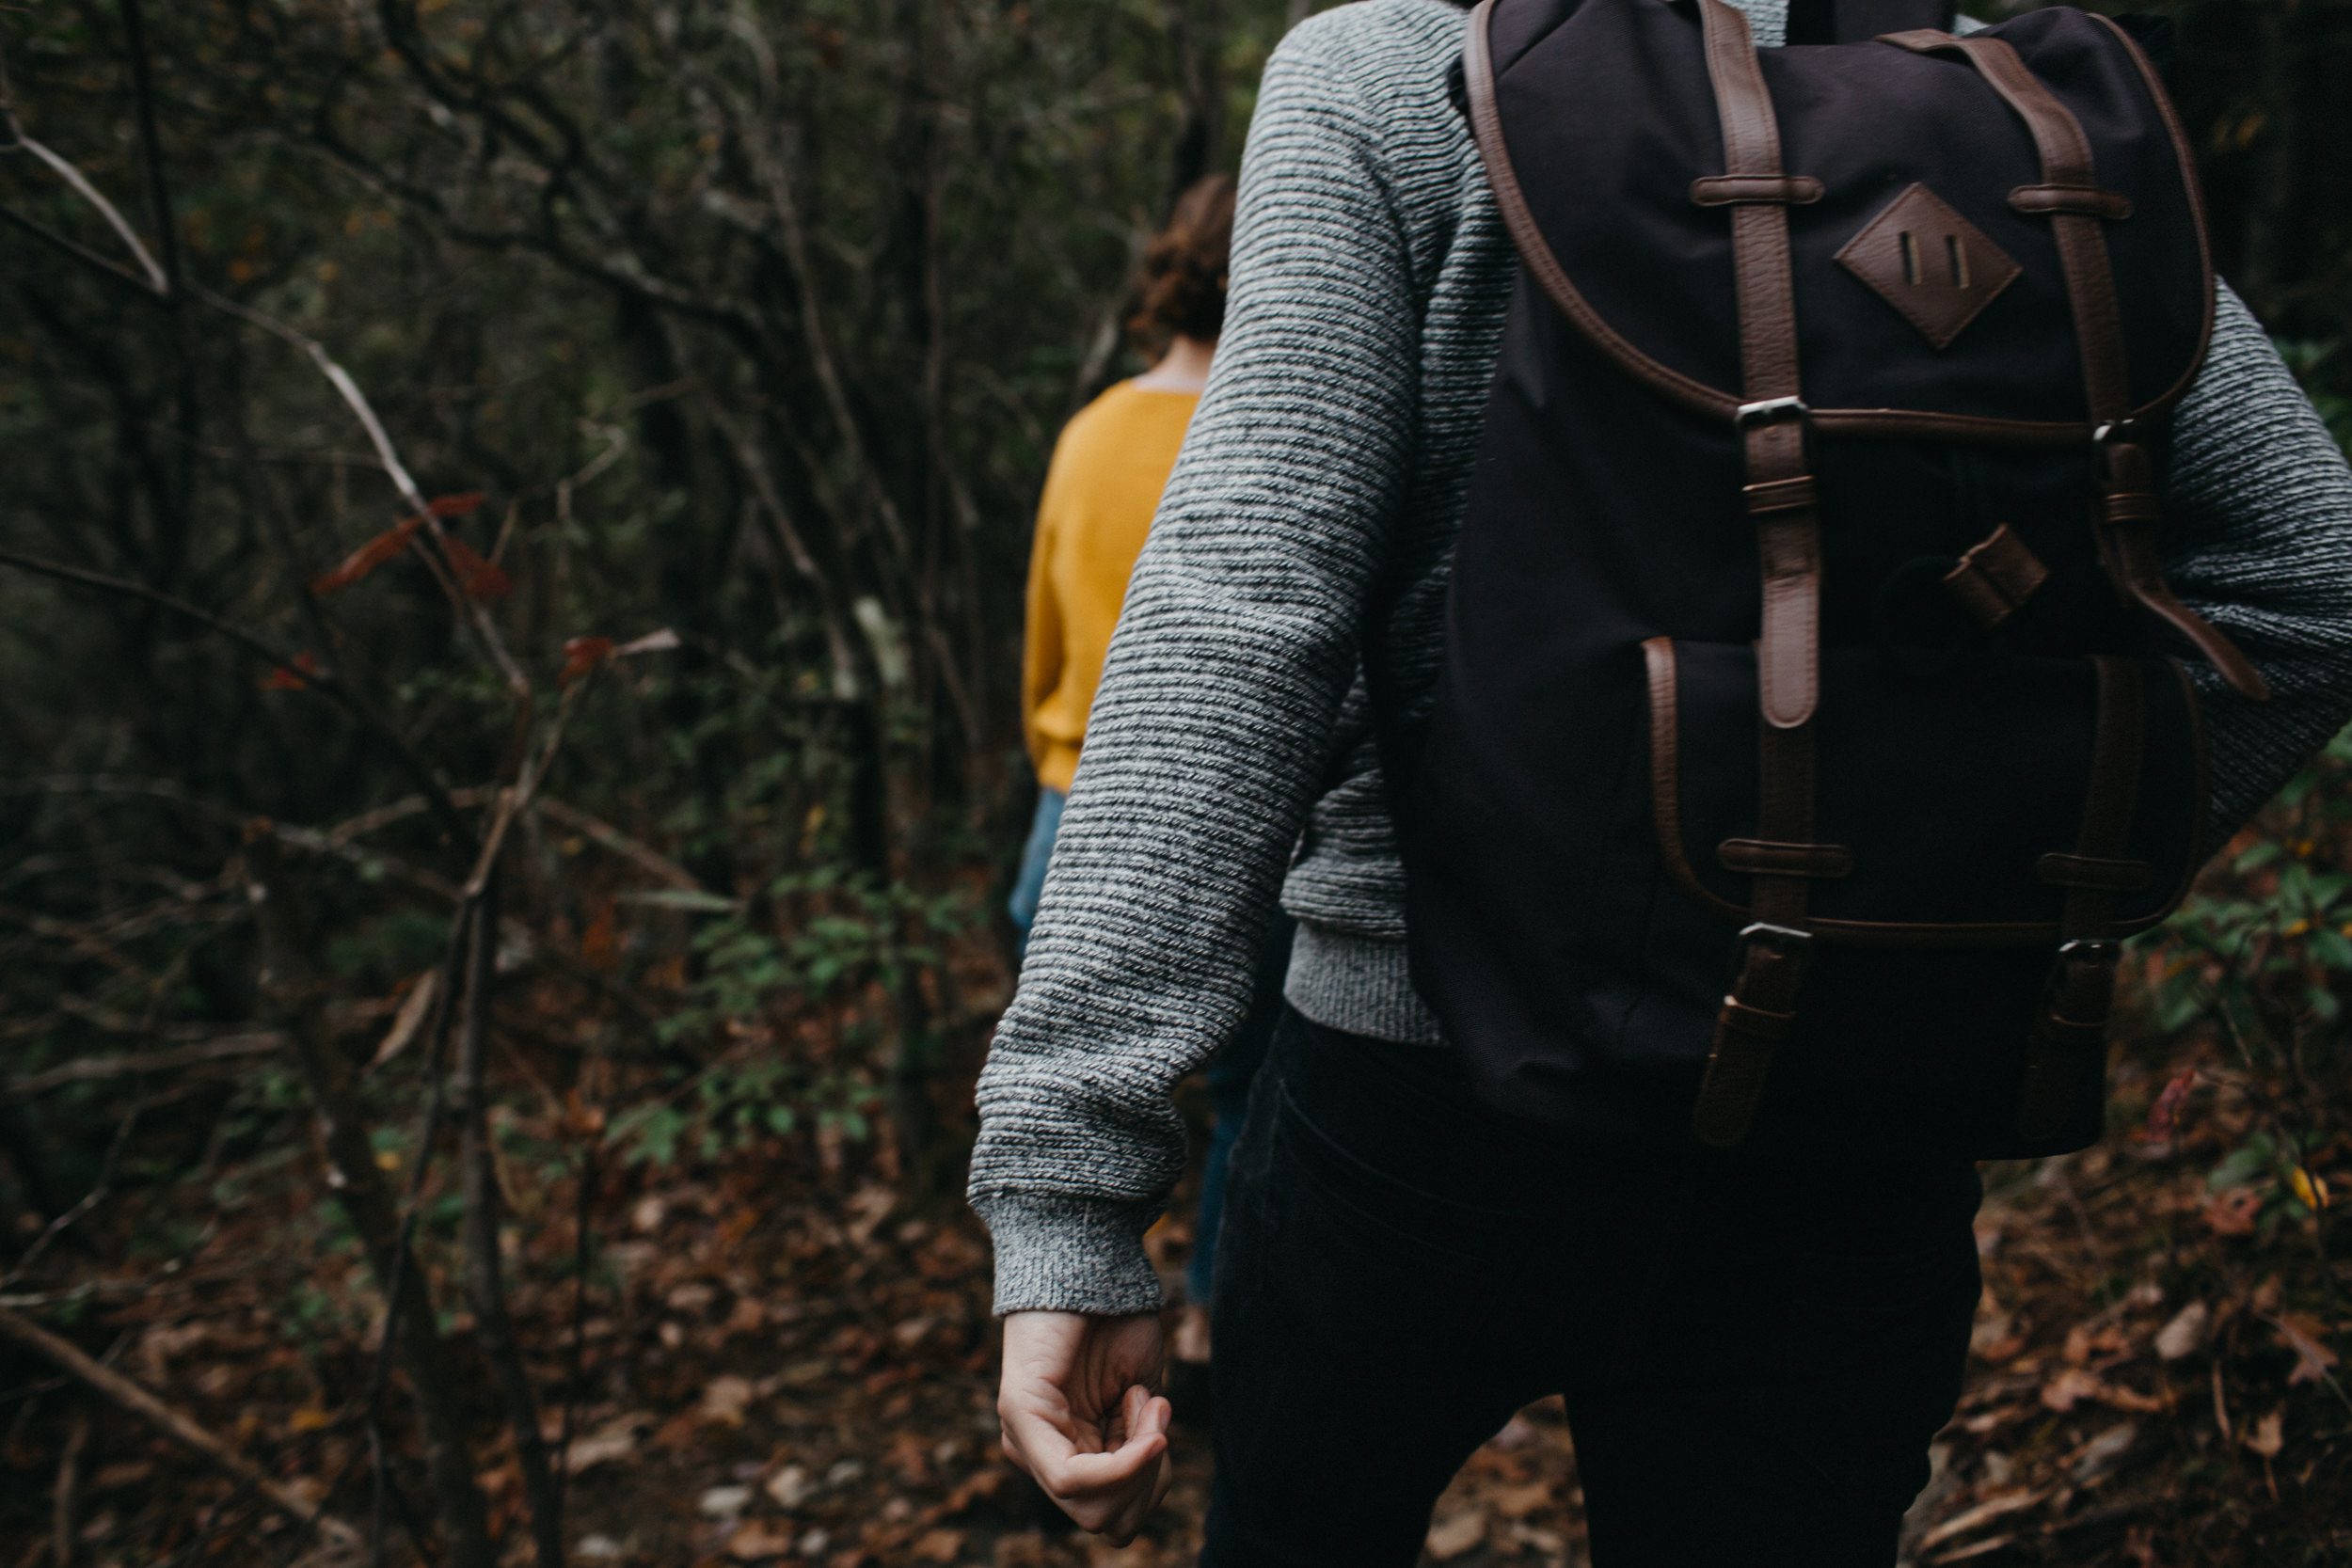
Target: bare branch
{"points": [[145, 1405]]}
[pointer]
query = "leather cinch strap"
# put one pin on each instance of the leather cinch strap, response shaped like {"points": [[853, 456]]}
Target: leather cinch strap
{"points": [[1774, 446], [2066, 1056], [2069, 196]]}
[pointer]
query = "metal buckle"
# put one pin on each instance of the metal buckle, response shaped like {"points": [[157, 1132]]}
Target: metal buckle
{"points": [[1788, 937], [1771, 408]]}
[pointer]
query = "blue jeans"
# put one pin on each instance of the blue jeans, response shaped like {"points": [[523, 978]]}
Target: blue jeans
{"points": [[1230, 1074], [1029, 883]]}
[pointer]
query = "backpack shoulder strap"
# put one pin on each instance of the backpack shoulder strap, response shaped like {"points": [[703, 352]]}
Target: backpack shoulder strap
{"points": [[1859, 20]]}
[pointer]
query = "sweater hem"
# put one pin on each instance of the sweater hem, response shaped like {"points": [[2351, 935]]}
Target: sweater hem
{"points": [[1358, 985]]}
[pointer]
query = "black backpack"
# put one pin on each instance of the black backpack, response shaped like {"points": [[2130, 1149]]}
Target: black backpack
{"points": [[1806, 636]]}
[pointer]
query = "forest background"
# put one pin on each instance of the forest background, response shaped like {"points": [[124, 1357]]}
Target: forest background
{"points": [[512, 519]]}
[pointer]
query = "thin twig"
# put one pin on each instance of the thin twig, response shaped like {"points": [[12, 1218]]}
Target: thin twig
{"points": [[138, 1402]]}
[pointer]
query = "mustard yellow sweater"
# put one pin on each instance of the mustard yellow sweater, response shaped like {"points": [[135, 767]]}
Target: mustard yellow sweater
{"points": [[1103, 487]]}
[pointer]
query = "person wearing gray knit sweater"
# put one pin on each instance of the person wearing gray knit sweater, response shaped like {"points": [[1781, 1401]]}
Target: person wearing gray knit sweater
{"points": [[1230, 763]]}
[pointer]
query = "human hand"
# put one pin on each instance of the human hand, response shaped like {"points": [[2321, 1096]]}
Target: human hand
{"points": [[1080, 1415]]}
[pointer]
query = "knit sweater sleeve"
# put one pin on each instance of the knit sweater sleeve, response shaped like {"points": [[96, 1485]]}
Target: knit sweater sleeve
{"points": [[1210, 730], [2261, 507]]}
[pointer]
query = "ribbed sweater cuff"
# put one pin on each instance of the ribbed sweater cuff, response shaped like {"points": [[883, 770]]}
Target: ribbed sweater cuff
{"points": [[1358, 985], [1058, 1254]]}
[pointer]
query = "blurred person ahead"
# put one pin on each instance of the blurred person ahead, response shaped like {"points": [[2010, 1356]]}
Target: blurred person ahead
{"points": [[1754, 1341], [1108, 471]]}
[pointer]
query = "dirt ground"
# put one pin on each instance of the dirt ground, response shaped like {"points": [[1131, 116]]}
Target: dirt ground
{"points": [[782, 1361]]}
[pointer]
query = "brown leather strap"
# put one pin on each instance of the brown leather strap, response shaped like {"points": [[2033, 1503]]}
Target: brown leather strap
{"points": [[1723, 190], [2068, 1048], [1759, 231], [2126, 526], [1755, 857], [1544, 268], [1774, 446], [2081, 200], [1995, 577], [2066, 161], [2114, 876], [2112, 795], [2129, 513]]}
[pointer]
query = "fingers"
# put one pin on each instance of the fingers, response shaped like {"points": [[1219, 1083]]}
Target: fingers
{"points": [[1125, 1525], [1103, 1458], [1109, 1492]]}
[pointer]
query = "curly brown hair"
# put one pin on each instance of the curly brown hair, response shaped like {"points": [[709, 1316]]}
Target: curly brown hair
{"points": [[1180, 289]]}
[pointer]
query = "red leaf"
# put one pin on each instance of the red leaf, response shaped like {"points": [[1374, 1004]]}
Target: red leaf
{"points": [[368, 556], [582, 655], [290, 677], [458, 505], [2163, 1117], [477, 577]]}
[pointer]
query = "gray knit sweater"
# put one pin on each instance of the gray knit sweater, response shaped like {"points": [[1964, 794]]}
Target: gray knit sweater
{"points": [[1230, 738]]}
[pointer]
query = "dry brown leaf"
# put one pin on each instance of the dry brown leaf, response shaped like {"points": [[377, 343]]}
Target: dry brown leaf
{"points": [[2307, 1336], [2232, 1213], [1456, 1533], [2000, 1505], [2186, 1334], [758, 1541], [725, 1399], [614, 1440], [2069, 1388], [939, 1545], [1518, 1502], [2099, 1457]]}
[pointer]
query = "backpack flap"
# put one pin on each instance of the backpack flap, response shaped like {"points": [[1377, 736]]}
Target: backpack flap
{"points": [[1930, 286]]}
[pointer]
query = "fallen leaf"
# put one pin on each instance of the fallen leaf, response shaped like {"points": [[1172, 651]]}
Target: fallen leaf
{"points": [[790, 1487], [2099, 1457], [939, 1545], [2000, 1505], [614, 1441], [976, 1487], [1456, 1534], [2069, 1388], [1518, 1502], [2233, 1212], [725, 1399], [2186, 1334], [723, 1503], [2164, 1115], [2267, 1435], [2308, 1338], [758, 1541]]}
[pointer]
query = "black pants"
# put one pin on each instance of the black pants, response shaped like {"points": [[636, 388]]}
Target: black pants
{"points": [[1753, 1360]]}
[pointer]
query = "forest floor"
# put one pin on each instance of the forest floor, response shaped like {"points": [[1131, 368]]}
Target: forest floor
{"points": [[782, 1361]]}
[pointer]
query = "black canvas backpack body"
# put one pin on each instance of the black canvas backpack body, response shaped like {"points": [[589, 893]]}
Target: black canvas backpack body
{"points": [[1811, 729]]}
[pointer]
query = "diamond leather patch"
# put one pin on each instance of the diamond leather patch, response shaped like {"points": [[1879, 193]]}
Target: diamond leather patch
{"points": [[1929, 263]]}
